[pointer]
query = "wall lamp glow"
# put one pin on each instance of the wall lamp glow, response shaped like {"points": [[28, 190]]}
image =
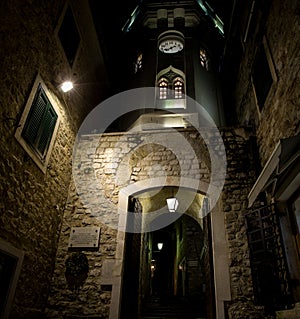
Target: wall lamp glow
{"points": [[172, 204], [160, 246], [67, 86]]}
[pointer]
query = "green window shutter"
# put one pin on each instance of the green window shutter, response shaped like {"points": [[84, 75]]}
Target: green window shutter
{"points": [[46, 130], [40, 124], [34, 118]]}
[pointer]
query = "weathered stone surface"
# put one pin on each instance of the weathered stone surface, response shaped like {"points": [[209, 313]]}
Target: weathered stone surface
{"points": [[114, 170], [32, 202], [239, 179], [245, 309], [279, 117], [141, 162]]}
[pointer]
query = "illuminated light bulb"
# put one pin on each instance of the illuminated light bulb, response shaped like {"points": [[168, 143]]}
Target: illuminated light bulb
{"points": [[67, 86]]}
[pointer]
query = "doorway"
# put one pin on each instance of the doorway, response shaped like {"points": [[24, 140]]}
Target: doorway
{"points": [[169, 272], [217, 251]]}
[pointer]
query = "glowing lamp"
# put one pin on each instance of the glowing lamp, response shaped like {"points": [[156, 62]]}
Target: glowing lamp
{"points": [[67, 86], [172, 204]]}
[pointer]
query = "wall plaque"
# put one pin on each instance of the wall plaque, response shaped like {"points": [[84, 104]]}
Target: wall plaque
{"points": [[84, 237]]}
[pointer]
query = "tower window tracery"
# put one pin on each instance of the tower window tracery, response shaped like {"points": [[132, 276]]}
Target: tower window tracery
{"points": [[170, 84], [178, 88], [171, 88], [138, 63], [163, 88], [204, 60]]}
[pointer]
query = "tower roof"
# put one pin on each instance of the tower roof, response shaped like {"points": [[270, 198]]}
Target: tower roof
{"points": [[195, 11]]}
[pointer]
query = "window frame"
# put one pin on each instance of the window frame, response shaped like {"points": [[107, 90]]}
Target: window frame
{"points": [[295, 224], [71, 63], [168, 88], [163, 87], [272, 70], [138, 63], [178, 89], [41, 160], [170, 74], [18, 256], [204, 59]]}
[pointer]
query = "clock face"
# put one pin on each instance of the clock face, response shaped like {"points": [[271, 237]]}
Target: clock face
{"points": [[170, 46]]}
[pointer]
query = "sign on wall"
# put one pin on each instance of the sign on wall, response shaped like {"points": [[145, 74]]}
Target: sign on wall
{"points": [[84, 237]]}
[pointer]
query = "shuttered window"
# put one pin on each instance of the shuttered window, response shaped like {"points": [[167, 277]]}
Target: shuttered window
{"points": [[40, 124]]}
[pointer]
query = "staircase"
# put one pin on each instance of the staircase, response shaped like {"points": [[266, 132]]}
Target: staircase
{"points": [[171, 308]]}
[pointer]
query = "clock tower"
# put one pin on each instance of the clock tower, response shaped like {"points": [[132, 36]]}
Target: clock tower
{"points": [[176, 47]]}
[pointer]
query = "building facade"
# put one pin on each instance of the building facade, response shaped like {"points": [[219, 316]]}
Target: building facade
{"points": [[193, 101]]}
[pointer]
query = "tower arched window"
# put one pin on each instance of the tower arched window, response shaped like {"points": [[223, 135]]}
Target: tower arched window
{"points": [[178, 88], [204, 60], [170, 84], [163, 88], [138, 63]]}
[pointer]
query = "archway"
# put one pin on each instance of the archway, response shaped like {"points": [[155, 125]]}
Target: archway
{"points": [[219, 255]]}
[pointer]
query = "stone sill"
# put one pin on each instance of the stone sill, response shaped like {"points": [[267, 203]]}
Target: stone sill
{"points": [[289, 314]]}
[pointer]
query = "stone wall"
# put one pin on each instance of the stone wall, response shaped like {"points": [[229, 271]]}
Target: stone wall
{"points": [[280, 115], [240, 177], [103, 165], [32, 202], [277, 26], [91, 298]]}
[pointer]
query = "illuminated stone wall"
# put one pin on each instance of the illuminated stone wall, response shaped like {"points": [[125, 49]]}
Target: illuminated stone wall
{"points": [[102, 172], [106, 157], [32, 202], [279, 117]]}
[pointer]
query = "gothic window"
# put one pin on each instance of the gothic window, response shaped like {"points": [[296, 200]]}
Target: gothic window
{"points": [[170, 84], [163, 88], [170, 88], [38, 125], [178, 88], [138, 62], [204, 61]]}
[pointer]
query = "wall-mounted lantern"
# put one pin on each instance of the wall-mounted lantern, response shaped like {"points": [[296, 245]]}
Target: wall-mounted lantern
{"points": [[172, 204]]}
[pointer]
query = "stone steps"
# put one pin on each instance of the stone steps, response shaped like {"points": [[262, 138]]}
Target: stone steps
{"points": [[170, 308]]}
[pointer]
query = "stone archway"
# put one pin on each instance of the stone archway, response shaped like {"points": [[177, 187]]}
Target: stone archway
{"points": [[219, 247]]}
